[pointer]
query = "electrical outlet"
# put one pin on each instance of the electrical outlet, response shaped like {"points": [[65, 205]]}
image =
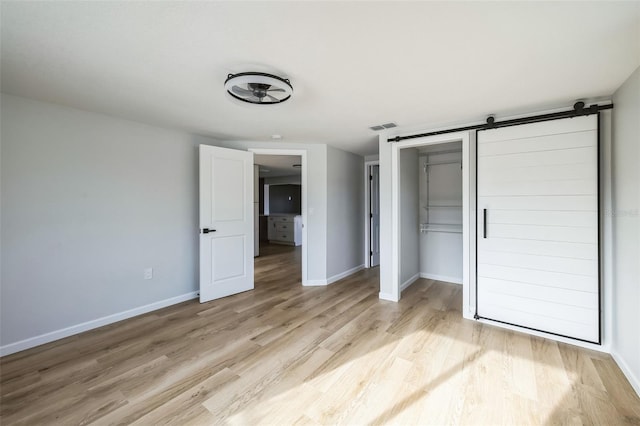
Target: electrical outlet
{"points": [[148, 273]]}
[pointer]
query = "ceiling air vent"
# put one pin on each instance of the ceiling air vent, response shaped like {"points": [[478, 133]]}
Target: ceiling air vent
{"points": [[383, 126]]}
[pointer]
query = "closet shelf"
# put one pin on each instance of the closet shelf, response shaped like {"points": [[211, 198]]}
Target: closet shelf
{"points": [[451, 206], [441, 227]]}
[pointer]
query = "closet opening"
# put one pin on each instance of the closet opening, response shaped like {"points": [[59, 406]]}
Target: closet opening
{"points": [[440, 211], [431, 215]]}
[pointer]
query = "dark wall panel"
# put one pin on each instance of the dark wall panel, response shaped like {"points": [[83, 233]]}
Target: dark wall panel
{"points": [[285, 199]]}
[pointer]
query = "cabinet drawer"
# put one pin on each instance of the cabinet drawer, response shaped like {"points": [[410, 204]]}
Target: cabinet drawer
{"points": [[286, 235], [280, 219], [283, 226]]}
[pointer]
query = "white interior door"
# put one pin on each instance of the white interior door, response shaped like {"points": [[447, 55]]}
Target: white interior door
{"points": [[226, 222], [537, 251], [374, 197]]}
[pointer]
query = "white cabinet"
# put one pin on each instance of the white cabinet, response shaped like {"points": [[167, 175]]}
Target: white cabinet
{"points": [[285, 229]]}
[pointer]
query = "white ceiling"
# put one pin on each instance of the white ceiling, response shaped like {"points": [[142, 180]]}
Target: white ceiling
{"points": [[278, 165], [352, 65]]}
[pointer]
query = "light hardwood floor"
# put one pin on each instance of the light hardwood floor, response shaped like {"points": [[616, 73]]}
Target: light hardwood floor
{"points": [[283, 354]]}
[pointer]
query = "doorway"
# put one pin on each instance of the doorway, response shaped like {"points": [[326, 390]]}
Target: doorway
{"points": [[430, 216], [372, 214], [281, 208]]}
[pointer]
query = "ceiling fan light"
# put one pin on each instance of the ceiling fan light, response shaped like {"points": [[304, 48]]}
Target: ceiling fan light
{"points": [[258, 88]]}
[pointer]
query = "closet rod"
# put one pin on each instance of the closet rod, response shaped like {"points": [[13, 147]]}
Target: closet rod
{"points": [[577, 111], [435, 163]]}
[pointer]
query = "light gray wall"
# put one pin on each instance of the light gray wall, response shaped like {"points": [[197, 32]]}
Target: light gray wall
{"points": [[88, 202], [345, 211], [409, 216], [626, 226]]}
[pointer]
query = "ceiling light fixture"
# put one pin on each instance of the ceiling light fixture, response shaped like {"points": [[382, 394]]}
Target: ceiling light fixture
{"points": [[258, 88]]}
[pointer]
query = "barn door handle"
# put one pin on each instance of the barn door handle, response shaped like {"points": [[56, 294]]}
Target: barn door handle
{"points": [[484, 223], [207, 230]]}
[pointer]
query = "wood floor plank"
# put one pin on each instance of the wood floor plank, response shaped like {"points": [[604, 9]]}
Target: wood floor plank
{"points": [[287, 354]]}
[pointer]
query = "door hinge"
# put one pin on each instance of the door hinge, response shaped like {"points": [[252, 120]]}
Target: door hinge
{"points": [[371, 215], [370, 253], [370, 177]]}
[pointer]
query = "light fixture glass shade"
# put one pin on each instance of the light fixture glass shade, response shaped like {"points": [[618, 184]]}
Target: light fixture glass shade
{"points": [[258, 88]]}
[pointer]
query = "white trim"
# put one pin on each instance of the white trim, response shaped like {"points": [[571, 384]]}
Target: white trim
{"points": [[408, 282], [395, 201], [90, 325], [303, 174], [574, 342], [469, 220], [444, 278], [389, 297], [344, 274], [367, 211], [626, 370]]}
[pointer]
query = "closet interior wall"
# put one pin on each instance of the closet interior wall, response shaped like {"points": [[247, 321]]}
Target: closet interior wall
{"points": [[440, 201]]}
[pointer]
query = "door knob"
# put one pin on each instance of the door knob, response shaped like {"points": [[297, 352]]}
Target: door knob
{"points": [[207, 230]]}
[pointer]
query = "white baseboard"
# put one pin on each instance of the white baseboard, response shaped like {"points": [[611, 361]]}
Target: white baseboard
{"points": [[314, 283], [90, 325], [333, 279], [386, 296], [408, 282], [635, 383], [344, 274], [454, 280]]}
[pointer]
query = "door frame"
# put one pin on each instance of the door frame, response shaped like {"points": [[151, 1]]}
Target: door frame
{"points": [[367, 211], [468, 213], [303, 178]]}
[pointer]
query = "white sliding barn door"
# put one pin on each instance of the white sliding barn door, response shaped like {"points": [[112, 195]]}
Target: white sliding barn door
{"points": [[226, 222], [537, 242]]}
